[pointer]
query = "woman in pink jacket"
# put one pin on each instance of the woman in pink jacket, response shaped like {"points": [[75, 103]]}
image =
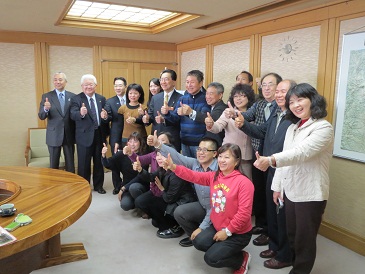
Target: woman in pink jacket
{"points": [[231, 195]]}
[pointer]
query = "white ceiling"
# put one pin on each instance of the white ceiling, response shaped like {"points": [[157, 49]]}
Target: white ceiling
{"points": [[41, 16]]}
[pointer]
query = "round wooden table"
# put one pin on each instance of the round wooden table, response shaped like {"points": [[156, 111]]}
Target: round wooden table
{"points": [[54, 199]]}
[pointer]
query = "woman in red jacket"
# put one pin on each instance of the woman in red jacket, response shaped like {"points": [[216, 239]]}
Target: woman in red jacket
{"points": [[231, 194]]}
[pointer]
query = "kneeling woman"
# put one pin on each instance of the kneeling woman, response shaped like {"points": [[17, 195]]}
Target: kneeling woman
{"points": [[232, 196], [175, 191]]}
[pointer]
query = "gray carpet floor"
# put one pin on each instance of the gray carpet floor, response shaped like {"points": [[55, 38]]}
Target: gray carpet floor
{"points": [[120, 242]]}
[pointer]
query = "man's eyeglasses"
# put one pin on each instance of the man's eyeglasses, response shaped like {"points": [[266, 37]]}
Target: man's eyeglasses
{"points": [[239, 96], [204, 150]]}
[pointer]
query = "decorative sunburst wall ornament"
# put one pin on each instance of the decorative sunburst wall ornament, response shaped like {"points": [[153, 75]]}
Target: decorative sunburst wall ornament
{"points": [[288, 49]]}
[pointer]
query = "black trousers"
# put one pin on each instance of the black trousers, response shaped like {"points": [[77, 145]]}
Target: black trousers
{"points": [[259, 198], [84, 156], [303, 220]]}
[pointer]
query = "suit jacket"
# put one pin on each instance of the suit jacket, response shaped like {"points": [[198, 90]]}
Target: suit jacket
{"points": [[156, 103], [116, 120], [84, 133], [215, 113], [60, 127]]}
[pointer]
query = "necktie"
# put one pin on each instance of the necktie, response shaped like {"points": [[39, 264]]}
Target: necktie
{"points": [[93, 113], [62, 102], [122, 101], [166, 98], [280, 116], [267, 111]]}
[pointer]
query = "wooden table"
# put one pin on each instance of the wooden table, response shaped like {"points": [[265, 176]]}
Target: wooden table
{"points": [[54, 199]]}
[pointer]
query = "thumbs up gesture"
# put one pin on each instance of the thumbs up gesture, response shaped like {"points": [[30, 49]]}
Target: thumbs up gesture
{"points": [[137, 165], [127, 151], [184, 109], [165, 108], [47, 104], [230, 112], [104, 150], [209, 122], [169, 164], [159, 119], [83, 110], [140, 110], [130, 119], [104, 114], [240, 120], [146, 117], [261, 163], [152, 140]]}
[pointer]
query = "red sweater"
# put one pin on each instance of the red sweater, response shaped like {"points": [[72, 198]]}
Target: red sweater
{"points": [[231, 197]]}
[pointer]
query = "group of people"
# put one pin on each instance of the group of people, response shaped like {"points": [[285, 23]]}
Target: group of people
{"points": [[267, 157]]}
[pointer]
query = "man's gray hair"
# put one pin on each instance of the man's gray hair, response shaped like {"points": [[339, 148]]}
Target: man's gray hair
{"points": [[88, 77], [63, 75], [218, 86]]}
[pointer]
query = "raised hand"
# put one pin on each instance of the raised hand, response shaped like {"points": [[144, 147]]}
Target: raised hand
{"points": [[104, 150], [230, 112], [169, 164], [140, 110], [184, 109], [137, 165], [159, 119], [261, 163], [146, 117], [152, 140], [104, 114], [83, 110], [165, 108], [127, 151], [47, 104], [209, 122], [240, 120]]}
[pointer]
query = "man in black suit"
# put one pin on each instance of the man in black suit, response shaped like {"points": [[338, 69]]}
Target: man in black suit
{"points": [[55, 107], [116, 124], [90, 133], [169, 97], [214, 95]]}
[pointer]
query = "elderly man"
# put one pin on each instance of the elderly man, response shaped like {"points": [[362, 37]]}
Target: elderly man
{"points": [[55, 107], [90, 133], [192, 102], [273, 132], [192, 217], [213, 96]]}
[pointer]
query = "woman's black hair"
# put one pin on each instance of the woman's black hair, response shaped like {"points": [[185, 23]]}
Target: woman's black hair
{"points": [[242, 89], [304, 90], [142, 142], [138, 88], [156, 81], [236, 153]]}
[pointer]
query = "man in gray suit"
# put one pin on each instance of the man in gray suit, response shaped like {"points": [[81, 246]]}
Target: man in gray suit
{"points": [[55, 107]]}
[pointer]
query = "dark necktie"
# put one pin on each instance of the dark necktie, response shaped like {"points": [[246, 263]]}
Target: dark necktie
{"points": [[93, 113], [62, 102]]}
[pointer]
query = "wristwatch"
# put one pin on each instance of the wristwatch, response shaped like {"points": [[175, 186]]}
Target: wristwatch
{"points": [[20, 220], [229, 233]]}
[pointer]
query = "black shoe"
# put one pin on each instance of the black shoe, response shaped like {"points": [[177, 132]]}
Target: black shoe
{"points": [[100, 190], [186, 242], [256, 230], [173, 232], [115, 191], [261, 240]]}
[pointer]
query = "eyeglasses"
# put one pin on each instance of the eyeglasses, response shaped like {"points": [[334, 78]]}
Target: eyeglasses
{"points": [[165, 79], [269, 85], [204, 150]]}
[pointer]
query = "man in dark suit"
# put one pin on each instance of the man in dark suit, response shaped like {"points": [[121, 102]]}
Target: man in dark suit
{"points": [[116, 124], [169, 97], [55, 107], [213, 95], [90, 133]]}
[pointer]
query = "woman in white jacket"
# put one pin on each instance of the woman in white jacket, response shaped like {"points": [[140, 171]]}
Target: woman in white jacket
{"points": [[301, 179]]}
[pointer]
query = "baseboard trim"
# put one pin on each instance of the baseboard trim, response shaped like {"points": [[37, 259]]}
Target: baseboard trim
{"points": [[343, 237]]}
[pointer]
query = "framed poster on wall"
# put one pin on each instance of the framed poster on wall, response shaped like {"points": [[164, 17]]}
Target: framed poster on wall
{"points": [[350, 116]]}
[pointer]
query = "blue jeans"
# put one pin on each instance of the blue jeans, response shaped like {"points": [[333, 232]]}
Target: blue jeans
{"points": [[189, 151]]}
